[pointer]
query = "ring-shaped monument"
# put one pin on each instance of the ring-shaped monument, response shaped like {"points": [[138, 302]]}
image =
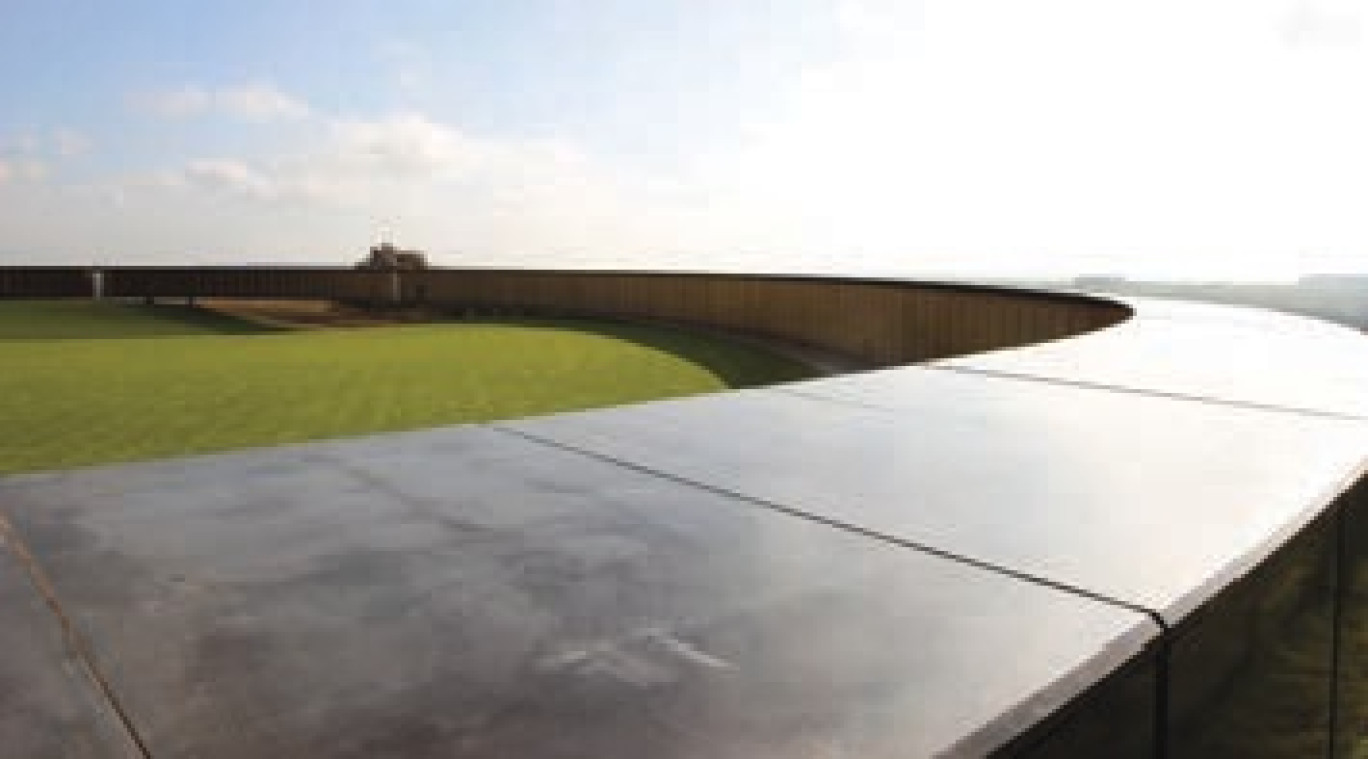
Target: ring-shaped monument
{"points": [[1050, 525]]}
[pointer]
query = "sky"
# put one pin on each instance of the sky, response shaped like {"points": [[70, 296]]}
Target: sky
{"points": [[1159, 138]]}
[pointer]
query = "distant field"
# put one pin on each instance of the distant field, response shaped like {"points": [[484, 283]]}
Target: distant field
{"points": [[84, 383]]}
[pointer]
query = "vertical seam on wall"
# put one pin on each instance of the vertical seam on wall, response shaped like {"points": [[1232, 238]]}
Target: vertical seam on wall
{"points": [[1338, 576], [1163, 658]]}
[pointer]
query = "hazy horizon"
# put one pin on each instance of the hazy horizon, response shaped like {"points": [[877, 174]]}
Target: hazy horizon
{"points": [[1215, 140]]}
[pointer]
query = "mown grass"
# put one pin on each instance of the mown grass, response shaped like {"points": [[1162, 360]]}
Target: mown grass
{"points": [[85, 319], [180, 381]]}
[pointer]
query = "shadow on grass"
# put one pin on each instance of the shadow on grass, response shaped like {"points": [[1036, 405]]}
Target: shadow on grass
{"points": [[193, 319], [79, 319], [735, 363]]}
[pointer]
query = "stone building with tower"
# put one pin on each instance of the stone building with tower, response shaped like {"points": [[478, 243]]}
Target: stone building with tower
{"points": [[386, 256]]}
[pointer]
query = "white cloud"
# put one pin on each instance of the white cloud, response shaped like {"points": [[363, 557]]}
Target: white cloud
{"points": [[1324, 23], [22, 169], [228, 175], [26, 143], [1071, 134], [410, 64], [248, 102], [404, 145], [174, 104], [259, 102], [354, 163], [20, 145], [69, 143], [359, 162], [435, 185], [33, 169]]}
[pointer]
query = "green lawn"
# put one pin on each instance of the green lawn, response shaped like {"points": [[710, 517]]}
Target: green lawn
{"points": [[80, 319], [181, 381]]}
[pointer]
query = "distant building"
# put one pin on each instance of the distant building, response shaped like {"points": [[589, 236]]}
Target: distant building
{"points": [[387, 257], [1337, 282], [1099, 282]]}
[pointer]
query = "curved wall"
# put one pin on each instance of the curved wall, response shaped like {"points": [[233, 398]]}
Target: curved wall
{"points": [[248, 282], [879, 322], [45, 282]]}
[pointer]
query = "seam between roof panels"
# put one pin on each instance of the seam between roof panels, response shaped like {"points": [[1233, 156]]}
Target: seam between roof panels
{"points": [[76, 643], [1172, 395], [843, 526], [838, 400]]}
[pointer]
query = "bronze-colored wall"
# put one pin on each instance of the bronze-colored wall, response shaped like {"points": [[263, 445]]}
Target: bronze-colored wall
{"points": [[884, 322], [45, 282], [880, 321], [249, 282]]}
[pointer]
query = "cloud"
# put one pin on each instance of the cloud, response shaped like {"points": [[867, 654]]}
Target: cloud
{"points": [[258, 102], [364, 161], [20, 145], [22, 169], [436, 185], [248, 102], [230, 176], [407, 144], [352, 163], [68, 143], [174, 104], [410, 64], [1324, 24], [1067, 134], [25, 144], [33, 169], [31, 158]]}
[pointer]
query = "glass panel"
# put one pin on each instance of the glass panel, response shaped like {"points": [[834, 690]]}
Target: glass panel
{"points": [[1352, 712], [1250, 672], [1116, 720]]}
